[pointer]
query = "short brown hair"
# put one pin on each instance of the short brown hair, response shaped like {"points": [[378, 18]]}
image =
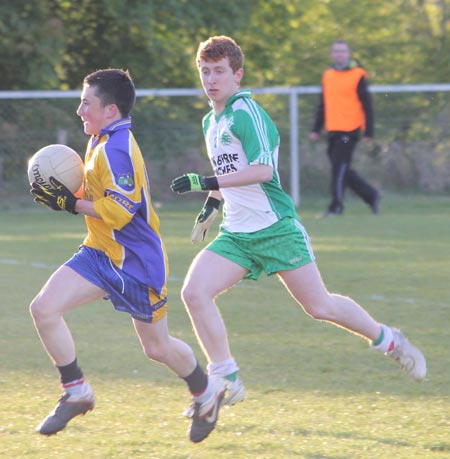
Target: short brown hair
{"points": [[218, 47]]}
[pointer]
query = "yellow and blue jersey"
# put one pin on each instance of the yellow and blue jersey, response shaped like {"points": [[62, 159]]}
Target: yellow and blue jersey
{"points": [[116, 181]]}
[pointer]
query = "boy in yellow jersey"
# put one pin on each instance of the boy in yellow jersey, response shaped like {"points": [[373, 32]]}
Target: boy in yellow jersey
{"points": [[122, 258], [346, 110]]}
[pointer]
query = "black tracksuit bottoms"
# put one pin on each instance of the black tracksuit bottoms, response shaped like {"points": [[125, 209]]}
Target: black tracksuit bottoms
{"points": [[341, 146]]}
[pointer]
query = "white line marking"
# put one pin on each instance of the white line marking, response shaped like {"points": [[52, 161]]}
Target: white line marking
{"points": [[33, 264], [41, 265], [415, 301], [372, 297]]}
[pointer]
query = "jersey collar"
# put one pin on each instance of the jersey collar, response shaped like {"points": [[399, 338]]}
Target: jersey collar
{"points": [[239, 95], [124, 123]]}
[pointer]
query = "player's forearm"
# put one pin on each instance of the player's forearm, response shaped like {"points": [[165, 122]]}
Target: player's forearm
{"points": [[257, 173], [216, 194], [86, 208]]}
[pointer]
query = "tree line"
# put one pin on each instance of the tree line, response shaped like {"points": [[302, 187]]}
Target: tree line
{"points": [[52, 44]]}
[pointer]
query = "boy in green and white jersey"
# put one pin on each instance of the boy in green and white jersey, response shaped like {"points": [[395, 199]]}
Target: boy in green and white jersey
{"points": [[261, 231], [241, 135]]}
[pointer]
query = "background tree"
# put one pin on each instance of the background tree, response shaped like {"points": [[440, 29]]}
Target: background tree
{"points": [[32, 45], [53, 44]]}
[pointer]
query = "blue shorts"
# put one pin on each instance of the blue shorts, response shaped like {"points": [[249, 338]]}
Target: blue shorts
{"points": [[126, 293]]}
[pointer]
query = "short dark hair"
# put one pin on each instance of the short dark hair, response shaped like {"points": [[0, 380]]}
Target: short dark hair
{"points": [[218, 47], [113, 86]]}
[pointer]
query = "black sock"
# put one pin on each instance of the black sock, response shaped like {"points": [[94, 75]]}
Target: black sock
{"points": [[71, 372], [197, 381]]}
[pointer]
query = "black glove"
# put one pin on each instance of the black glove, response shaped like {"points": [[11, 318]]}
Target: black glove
{"points": [[194, 182], [59, 197], [205, 219]]}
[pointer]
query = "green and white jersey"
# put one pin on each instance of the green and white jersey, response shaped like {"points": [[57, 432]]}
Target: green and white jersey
{"points": [[243, 135]]}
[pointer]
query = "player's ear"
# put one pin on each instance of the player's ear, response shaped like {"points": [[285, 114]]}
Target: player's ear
{"points": [[238, 76], [112, 110]]}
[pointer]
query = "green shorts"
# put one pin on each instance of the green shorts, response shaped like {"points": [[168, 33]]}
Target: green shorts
{"points": [[283, 246]]}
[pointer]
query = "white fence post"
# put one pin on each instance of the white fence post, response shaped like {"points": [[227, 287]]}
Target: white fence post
{"points": [[295, 157], [292, 91]]}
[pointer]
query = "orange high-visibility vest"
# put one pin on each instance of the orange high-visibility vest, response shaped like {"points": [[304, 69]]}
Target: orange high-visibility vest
{"points": [[343, 109]]}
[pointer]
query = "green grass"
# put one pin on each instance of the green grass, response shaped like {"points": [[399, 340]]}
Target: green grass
{"points": [[314, 391]]}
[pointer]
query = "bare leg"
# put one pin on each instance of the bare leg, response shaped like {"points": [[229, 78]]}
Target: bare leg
{"points": [[306, 286], [64, 291], [209, 275], [159, 346]]}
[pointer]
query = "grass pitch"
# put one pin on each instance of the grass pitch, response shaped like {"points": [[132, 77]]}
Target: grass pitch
{"points": [[314, 391]]}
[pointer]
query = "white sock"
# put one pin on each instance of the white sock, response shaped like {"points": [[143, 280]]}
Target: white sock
{"points": [[76, 388], [223, 368], [206, 394], [387, 342]]}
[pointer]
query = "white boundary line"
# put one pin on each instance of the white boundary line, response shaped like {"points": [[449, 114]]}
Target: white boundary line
{"points": [[41, 265], [414, 301], [372, 297], [33, 264]]}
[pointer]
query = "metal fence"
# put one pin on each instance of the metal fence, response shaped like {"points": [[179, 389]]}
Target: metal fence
{"points": [[412, 148]]}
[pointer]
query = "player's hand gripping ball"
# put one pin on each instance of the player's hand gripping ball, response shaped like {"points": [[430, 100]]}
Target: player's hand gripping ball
{"points": [[58, 197], [58, 161]]}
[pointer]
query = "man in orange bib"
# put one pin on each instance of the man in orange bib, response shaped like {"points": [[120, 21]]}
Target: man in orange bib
{"points": [[345, 108]]}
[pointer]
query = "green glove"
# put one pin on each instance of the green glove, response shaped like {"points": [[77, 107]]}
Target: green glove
{"points": [[194, 182], [205, 219], [59, 197]]}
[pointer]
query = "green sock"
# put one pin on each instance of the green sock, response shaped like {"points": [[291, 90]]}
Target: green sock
{"points": [[232, 376], [379, 340]]}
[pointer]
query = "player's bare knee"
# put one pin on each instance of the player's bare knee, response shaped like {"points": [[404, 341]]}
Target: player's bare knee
{"points": [[320, 311], [155, 352], [37, 310], [319, 314], [40, 312], [190, 295]]}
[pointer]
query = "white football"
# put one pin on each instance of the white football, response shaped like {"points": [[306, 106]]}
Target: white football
{"points": [[58, 161]]}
